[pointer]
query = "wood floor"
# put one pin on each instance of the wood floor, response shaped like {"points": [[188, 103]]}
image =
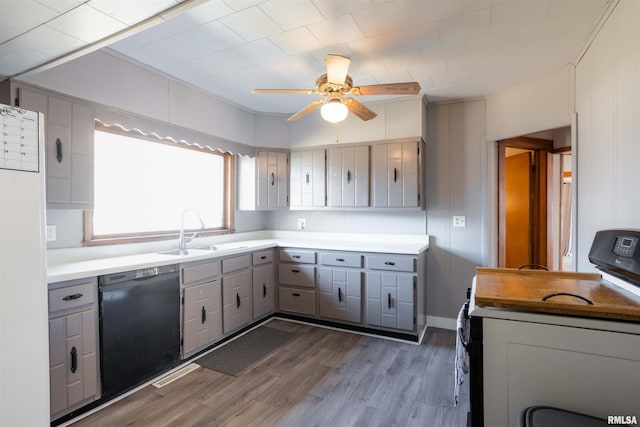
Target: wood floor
{"points": [[320, 378]]}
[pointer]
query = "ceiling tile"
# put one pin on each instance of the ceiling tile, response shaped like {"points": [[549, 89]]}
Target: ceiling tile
{"points": [[475, 5], [260, 51], [16, 58], [403, 60], [216, 36], [208, 11], [335, 8], [290, 14], [296, 41], [433, 10], [166, 29], [131, 12], [175, 48], [561, 8], [60, 6], [251, 24], [335, 31], [518, 13], [382, 19], [465, 26], [50, 42], [239, 5], [87, 24], [226, 61], [22, 15], [419, 36]]}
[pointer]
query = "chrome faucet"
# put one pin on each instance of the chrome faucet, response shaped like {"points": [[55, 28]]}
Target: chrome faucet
{"points": [[182, 243]]}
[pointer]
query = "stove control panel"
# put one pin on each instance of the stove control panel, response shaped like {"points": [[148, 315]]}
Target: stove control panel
{"points": [[617, 252]]}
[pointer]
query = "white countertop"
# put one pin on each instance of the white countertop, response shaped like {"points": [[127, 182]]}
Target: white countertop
{"points": [[78, 263]]}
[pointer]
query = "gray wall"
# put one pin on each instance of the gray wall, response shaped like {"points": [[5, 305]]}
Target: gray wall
{"points": [[456, 185]]}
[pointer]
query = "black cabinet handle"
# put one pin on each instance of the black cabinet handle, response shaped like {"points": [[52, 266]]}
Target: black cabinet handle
{"points": [[273, 178], [348, 176], [237, 301], [555, 294], [74, 360], [307, 178], [395, 174], [339, 295], [340, 259], [293, 270], [295, 256], [58, 150], [295, 294], [263, 257], [389, 300], [389, 263], [72, 297], [203, 315], [264, 290]]}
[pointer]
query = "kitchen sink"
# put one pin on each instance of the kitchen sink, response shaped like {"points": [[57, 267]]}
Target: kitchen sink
{"points": [[194, 251]]}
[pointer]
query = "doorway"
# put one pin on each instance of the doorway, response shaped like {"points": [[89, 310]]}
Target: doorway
{"points": [[522, 197]]}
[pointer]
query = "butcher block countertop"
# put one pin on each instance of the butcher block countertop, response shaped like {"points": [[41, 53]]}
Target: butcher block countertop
{"points": [[525, 290]]}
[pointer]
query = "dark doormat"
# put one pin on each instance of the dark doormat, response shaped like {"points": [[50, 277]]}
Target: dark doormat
{"points": [[243, 353]]}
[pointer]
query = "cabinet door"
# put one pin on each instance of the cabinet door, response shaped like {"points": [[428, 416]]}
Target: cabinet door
{"points": [[308, 178], [73, 362], [390, 300], [82, 136], [395, 173], [263, 290], [340, 294], [202, 316], [272, 180], [349, 176], [237, 308]]}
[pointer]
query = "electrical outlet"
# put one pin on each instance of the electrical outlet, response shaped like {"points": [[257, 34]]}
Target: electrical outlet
{"points": [[51, 233], [460, 221], [302, 223]]}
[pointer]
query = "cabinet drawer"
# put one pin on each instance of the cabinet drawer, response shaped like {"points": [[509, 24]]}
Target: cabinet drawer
{"points": [[262, 257], [391, 262], [200, 273], [299, 275], [297, 301], [72, 296], [341, 259], [298, 255], [236, 263]]}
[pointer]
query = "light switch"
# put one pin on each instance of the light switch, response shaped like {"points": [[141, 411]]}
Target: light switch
{"points": [[51, 233], [302, 223], [460, 221]]}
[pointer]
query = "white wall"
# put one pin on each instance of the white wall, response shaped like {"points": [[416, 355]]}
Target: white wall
{"points": [[608, 108], [534, 106], [456, 185]]}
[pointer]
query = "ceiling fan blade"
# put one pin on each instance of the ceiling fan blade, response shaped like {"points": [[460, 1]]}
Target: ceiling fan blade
{"points": [[337, 68], [306, 110], [359, 109], [300, 91], [405, 88]]}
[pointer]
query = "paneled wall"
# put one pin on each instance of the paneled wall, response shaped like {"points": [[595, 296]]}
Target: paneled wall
{"points": [[456, 185], [608, 108]]}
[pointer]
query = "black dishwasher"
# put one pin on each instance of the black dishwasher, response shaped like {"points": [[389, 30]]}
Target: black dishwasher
{"points": [[139, 326]]}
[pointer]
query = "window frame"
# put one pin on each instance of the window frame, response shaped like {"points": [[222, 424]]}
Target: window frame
{"points": [[90, 239]]}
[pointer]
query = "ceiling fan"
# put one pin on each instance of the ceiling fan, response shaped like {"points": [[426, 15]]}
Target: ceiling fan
{"points": [[335, 84]]}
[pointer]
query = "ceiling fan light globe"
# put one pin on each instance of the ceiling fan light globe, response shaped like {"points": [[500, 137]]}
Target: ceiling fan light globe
{"points": [[334, 111]]}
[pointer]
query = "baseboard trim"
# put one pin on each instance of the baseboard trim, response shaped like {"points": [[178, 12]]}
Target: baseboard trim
{"points": [[441, 322]]}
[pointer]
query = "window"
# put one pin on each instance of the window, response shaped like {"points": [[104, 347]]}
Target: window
{"points": [[144, 185]]}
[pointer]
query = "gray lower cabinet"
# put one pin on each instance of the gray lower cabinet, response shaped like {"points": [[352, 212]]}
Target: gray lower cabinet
{"points": [[263, 290], [202, 316], [237, 289], [73, 345], [390, 300], [297, 281], [339, 293]]}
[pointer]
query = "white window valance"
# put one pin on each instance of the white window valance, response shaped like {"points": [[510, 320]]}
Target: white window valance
{"points": [[146, 126]]}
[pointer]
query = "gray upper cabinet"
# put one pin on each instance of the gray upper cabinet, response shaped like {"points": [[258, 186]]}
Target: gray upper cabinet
{"points": [[308, 178], [69, 136], [348, 182], [396, 174], [273, 188]]}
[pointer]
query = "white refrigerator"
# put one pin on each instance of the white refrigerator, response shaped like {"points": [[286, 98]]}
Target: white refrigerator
{"points": [[24, 337]]}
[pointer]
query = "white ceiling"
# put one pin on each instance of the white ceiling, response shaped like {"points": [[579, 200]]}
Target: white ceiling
{"points": [[453, 48]]}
